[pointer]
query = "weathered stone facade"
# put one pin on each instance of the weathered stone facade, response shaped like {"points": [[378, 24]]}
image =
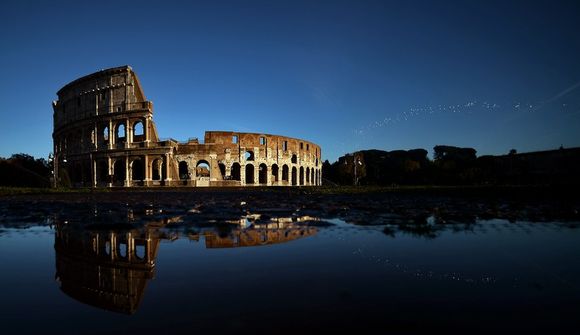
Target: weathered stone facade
{"points": [[104, 136]]}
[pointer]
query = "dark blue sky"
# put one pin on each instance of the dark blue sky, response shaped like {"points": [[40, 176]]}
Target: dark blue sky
{"points": [[348, 75]]}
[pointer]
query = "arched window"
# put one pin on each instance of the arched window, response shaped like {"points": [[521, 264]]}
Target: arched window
{"points": [[121, 132], [275, 173], [156, 169], [262, 174], [285, 172], [119, 171], [249, 155], [294, 159], [249, 174], [183, 170], [138, 132], [235, 173], [137, 170], [203, 169]]}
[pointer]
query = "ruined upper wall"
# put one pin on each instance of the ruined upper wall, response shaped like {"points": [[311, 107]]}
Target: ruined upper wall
{"points": [[114, 90], [233, 140]]}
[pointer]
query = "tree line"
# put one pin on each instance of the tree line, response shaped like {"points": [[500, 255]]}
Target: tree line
{"points": [[22, 170], [453, 166]]}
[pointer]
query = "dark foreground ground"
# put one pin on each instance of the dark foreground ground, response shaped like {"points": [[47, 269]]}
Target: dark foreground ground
{"points": [[356, 260], [358, 205]]}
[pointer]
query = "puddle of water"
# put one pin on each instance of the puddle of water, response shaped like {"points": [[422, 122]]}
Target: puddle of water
{"points": [[154, 270]]}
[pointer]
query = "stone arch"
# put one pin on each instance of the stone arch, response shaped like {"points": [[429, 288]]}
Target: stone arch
{"points": [[202, 170], [294, 176], [275, 173], [157, 170], [294, 159], [103, 171], [137, 169], [301, 175], [307, 175], [103, 135], [235, 171], [119, 171], [183, 171], [285, 173], [249, 174], [138, 131], [120, 132], [249, 155], [263, 174]]}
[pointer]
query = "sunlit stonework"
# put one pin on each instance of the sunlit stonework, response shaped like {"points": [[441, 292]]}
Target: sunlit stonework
{"points": [[104, 136]]}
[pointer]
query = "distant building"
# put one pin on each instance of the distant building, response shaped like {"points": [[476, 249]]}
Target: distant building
{"points": [[104, 136]]}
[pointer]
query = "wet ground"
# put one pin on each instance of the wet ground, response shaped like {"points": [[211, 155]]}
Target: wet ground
{"points": [[287, 261]]}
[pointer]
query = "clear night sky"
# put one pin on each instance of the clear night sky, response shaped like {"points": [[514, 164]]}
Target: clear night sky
{"points": [[348, 75]]}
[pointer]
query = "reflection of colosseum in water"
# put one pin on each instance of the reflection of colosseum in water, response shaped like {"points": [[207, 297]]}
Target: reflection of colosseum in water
{"points": [[110, 269], [104, 136]]}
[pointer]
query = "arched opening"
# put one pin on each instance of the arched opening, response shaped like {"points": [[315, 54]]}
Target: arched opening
{"points": [[140, 251], [249, 174], [275, 173], [122, 250], [294, 159], [156, 169], [103, 171], [262, 174], [121, 133], [138, 132], [301, 175], [119, 171], [249, 155], [307, 175], [202, 170], [294, 176], [105, 134], [137, 170], [285, 172], [312, 180], [236, 171], [222, 168], [183, 171]]}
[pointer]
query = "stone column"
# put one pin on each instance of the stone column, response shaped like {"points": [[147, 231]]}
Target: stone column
{"points": [[96, 137], [147, 171], [130, 246], [94, 171], [111, 137], [113, 245], [167, 178], [109, 181], [128, 135], [127, 176], [146, 131]]}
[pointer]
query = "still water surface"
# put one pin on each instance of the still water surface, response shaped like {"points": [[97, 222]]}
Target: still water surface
{"points": [[287, 275]]}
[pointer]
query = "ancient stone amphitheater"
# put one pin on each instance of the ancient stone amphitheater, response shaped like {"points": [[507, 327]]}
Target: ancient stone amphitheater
{"points": [[104, 136]]}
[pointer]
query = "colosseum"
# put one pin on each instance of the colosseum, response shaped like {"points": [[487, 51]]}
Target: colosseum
{"points": [[104, 136]]}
